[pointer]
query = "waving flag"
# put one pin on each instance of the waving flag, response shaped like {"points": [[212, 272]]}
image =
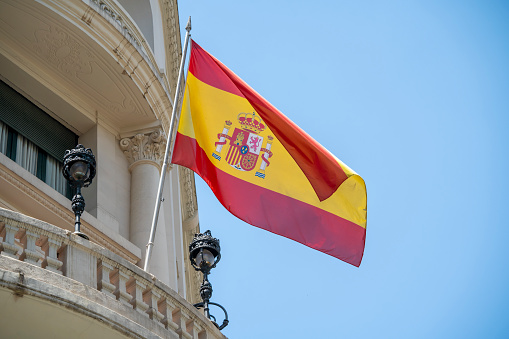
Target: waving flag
{"points": [[263, 168]]}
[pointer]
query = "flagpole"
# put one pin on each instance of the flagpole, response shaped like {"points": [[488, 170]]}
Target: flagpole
{"points": [[169, 146]]}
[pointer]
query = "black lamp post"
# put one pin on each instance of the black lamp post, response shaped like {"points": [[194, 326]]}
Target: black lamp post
{"points": [[205, 253], [79, 170]]}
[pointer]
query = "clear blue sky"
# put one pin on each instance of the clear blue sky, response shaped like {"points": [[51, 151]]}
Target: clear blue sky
{"points": [[414, 96]]}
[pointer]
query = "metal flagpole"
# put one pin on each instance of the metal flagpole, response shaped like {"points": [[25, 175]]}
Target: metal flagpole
{"points": [[169, 145]]}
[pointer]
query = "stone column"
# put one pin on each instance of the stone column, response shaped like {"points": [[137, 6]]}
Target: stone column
{"points": [[145, 153]]}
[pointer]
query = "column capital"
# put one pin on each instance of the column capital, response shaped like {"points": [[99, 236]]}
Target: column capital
{"points": [[144, 148]]}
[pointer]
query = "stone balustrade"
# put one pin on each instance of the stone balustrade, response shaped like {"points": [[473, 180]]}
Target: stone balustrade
{"points": [[48, 258]]}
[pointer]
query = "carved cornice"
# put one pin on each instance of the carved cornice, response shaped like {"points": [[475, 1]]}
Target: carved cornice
{"points": [[134, 54], [144, 147]]}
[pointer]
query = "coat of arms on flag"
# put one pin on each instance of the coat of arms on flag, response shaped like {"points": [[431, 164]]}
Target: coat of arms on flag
{"points": [[245, 145]]}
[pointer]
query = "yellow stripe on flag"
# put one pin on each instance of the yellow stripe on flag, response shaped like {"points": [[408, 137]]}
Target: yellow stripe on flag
{"points": [[212, 107]]}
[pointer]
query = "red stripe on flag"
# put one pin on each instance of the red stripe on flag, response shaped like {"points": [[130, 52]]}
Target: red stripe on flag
{"points": [[201, 63], [321, 169], [273, 211]]}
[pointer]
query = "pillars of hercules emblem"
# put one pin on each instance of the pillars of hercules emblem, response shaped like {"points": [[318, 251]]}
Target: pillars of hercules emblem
{"points": [[265, 158], [222, 140], [145, 153]]}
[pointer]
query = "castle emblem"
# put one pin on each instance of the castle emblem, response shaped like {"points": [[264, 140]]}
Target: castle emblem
{"points": [[245, 144]]}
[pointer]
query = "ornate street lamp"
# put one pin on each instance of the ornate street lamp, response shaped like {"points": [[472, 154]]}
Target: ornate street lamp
{"points": [[205, 253], [79, 170]]}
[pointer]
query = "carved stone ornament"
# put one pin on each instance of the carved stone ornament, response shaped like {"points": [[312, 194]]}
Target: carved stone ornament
{"points": [[188, 192], [144, 147], [63, 51]]}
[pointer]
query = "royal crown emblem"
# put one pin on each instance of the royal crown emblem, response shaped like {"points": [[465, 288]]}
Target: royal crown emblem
{"points": [[245, 144], [251, 122]]}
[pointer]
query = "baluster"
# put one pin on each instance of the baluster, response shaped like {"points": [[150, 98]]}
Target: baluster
{"points": [[33, 253], [2, 235], [190, 327], [197, 330], [168, 310], [9, 247], [182, 320], [135, 287], [104, 285], [120, 279], [151, 296], [20, 241], [51, 262], [203, 335]]}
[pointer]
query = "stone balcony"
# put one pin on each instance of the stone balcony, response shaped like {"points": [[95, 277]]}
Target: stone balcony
{"points": [[54, 284], [87, 61]]}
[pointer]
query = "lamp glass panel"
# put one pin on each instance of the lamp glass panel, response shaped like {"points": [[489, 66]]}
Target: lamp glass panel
{"points": [[206, 257], [79, 171]]}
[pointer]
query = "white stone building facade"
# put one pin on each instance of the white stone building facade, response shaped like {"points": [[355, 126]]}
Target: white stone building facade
{"points": [[101, 73]]}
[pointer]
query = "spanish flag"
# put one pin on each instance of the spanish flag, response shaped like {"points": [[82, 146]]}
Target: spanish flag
{"points": [[263, 168]]}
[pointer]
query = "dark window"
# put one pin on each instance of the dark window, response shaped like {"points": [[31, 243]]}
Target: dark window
{"points": [[33, 139]]}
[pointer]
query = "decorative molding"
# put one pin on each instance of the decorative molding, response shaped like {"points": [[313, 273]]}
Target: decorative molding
{"points": [[144, 147], [65, 214], [95, 39], [108, 12], [72, 57], [63, 51], [113, 13], [188, 195], [37, 196], [172, 40]]}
